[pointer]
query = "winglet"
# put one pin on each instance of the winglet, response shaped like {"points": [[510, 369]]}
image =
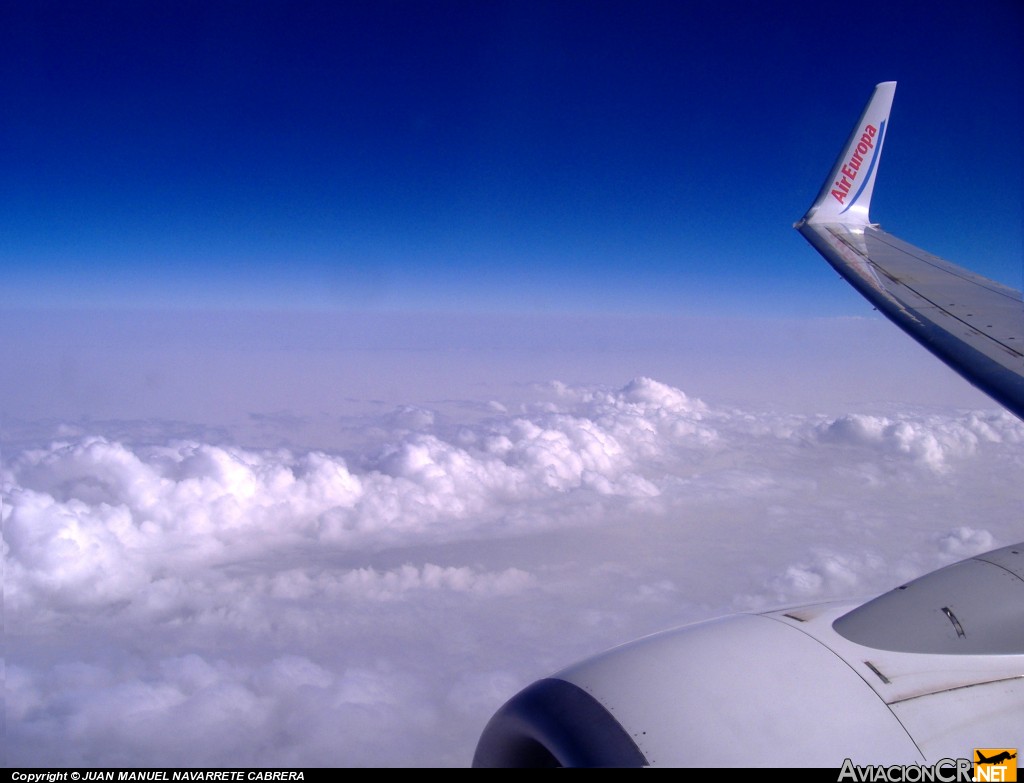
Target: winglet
{"points": [[846, 195]]}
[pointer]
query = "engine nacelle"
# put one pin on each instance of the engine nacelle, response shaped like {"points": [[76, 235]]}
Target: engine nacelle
{"points": [[906, 678]]}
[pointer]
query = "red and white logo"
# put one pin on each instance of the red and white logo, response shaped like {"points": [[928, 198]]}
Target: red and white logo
{"points": [[851, 168]]}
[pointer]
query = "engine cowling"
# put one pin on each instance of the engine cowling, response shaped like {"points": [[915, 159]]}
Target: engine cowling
{"points": [[891, 681]]}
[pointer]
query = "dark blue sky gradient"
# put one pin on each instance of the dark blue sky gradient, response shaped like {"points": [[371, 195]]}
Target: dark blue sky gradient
{"points": [[475, 156]]}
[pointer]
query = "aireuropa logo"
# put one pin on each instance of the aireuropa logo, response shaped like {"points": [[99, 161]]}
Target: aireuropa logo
{"points": [[848, 173], [995, 764]]}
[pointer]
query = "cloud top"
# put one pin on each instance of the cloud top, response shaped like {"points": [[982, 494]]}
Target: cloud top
{"points": [[199, 602]]}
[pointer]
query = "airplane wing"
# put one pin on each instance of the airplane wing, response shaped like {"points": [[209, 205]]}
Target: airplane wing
{"points": [[975, 325], [918, 675]]}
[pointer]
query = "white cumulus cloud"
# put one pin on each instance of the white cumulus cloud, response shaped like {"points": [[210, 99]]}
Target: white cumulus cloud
{"points": [[187, 600]]}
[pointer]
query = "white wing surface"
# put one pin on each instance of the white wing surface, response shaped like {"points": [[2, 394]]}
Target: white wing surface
{"points": [[975, 325]]}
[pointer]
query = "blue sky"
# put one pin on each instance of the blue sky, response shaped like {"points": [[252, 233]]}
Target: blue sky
{"points": [[473, 157]]}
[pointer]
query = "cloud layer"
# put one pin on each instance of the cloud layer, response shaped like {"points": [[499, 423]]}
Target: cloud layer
{"points": [[186, 602]]}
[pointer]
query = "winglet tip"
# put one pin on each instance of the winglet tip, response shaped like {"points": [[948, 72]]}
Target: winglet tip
{"points": [[845, 197]]}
